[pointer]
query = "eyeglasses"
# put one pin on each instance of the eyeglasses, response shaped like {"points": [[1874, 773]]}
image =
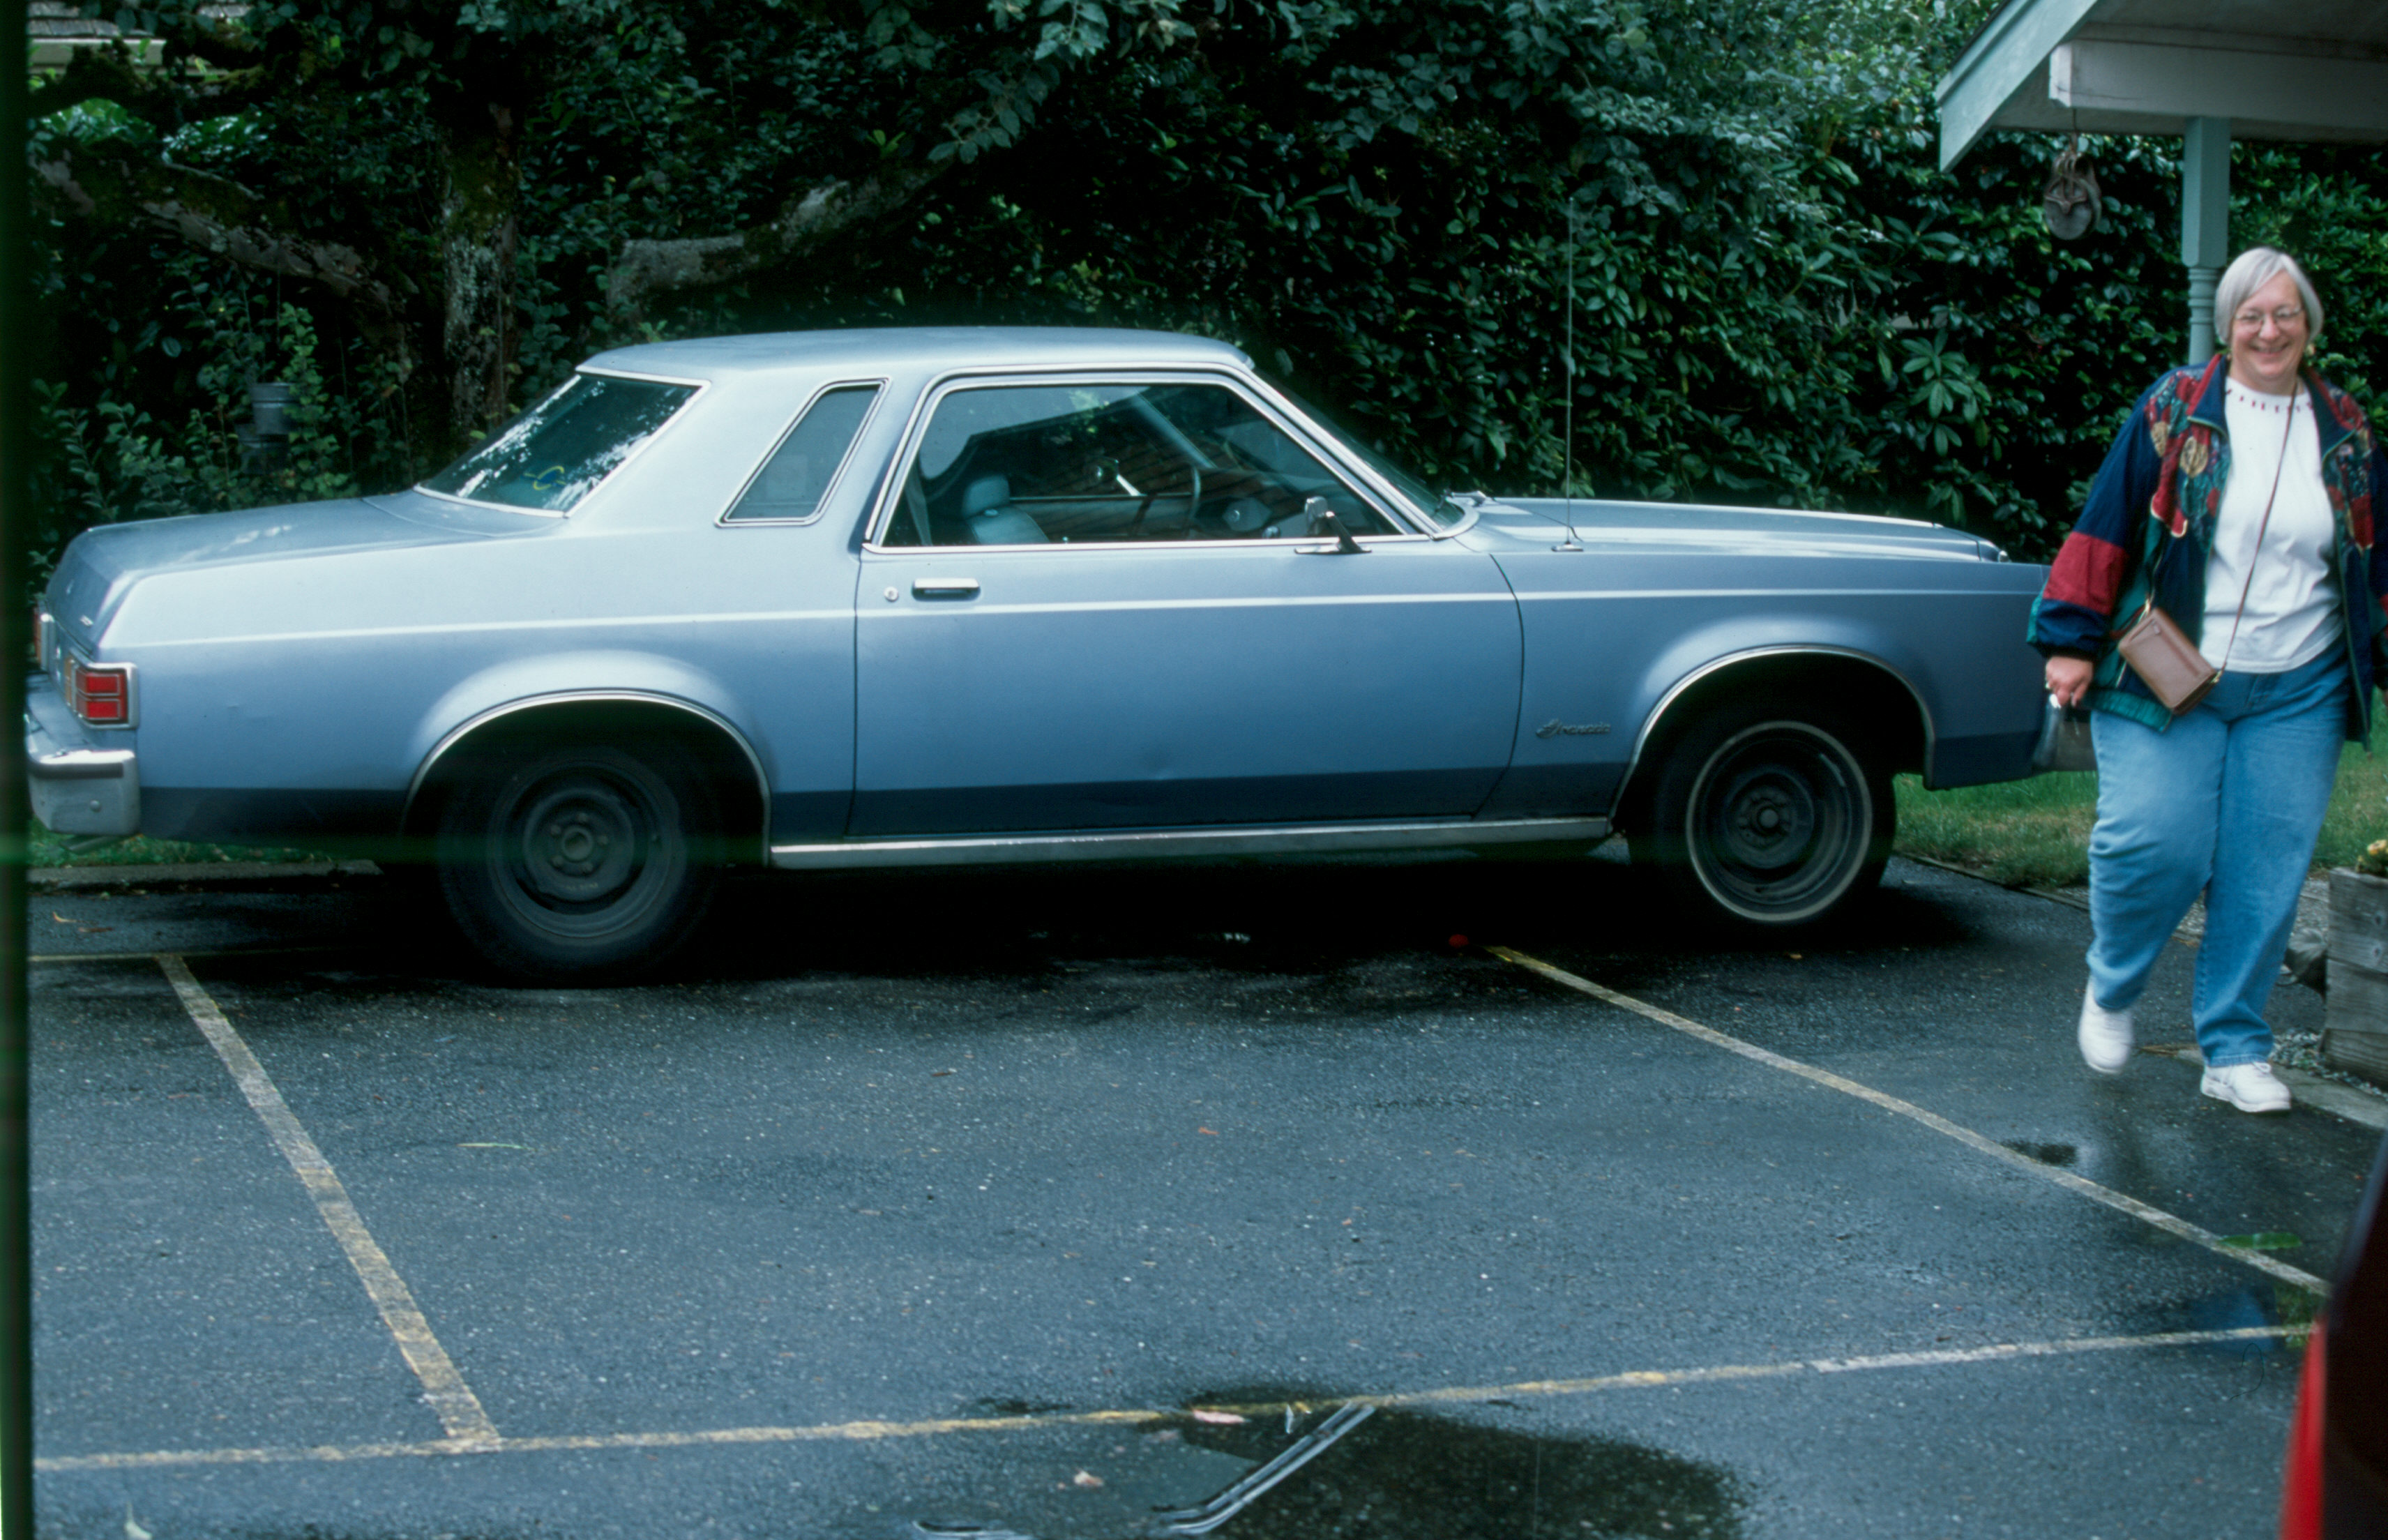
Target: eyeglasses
{"points": [[2253, 320]]}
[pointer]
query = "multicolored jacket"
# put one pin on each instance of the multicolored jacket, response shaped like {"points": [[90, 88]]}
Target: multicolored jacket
{"points": [[2149, 528]]}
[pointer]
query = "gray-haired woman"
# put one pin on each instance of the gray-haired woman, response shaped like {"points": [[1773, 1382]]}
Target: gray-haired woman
{"points": [[2240, 499]]}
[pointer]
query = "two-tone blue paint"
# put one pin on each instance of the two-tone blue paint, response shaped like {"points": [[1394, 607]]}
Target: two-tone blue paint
{"points": [[1662, 596], [304, 668]]}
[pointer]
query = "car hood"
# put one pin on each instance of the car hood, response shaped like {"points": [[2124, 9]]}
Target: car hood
{"points": [[104, 563], [1679, 527]]}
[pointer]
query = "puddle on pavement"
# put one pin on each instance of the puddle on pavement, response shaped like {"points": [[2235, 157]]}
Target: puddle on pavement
{"points": [[2277, 1302], [1348, 1472], [2047, 1154]]}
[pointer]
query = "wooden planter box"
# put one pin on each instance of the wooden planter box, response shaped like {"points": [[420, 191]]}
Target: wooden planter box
{"points": [[2354, 1035]]}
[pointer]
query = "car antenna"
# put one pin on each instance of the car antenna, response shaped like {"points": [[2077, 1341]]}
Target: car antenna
{"points": [[1567, 377]]}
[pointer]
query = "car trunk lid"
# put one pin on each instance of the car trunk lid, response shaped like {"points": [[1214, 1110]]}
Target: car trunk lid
{"points": [[104, 563]]}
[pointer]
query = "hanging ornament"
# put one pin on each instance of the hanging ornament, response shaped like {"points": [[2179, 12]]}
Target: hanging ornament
{"points": [[2069, 203]]}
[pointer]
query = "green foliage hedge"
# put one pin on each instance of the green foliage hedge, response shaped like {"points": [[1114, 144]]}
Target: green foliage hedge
{"points": [[1777, 296]]}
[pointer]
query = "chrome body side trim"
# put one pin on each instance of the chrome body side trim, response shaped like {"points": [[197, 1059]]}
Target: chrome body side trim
{"points": [[592, 697], [1129, 844], [1309, 545], [1658, 713]]}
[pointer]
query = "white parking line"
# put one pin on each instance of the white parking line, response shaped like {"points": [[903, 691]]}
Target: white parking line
{"points": [[459, 1409], [152, 957], [866, 1431], [2170, 1224]]}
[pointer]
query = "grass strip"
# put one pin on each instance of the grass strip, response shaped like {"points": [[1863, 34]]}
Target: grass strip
{"points": [[2035, 833], [44, 848]]}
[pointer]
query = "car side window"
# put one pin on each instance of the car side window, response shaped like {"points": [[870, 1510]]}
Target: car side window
{"points": [[1031, 464], [793, 482]]}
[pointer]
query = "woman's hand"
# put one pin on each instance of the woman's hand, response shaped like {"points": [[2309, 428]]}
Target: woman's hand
{"points": [[2068, 679]]}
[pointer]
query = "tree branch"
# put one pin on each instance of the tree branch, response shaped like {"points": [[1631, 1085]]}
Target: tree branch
{"points": [[163, 97], [95, 74], [649, 270], [215, 40], [210, 212]]}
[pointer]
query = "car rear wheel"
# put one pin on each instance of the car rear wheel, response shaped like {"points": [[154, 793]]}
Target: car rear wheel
{"points": [[1768, 818], [578, 862]]}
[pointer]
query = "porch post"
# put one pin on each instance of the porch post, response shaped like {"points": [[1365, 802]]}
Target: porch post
{"points": [[2205, 223]]}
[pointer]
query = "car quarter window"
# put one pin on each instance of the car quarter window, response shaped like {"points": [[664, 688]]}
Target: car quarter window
{"points": [[1027, 464], [793, 482], [555, 453]]}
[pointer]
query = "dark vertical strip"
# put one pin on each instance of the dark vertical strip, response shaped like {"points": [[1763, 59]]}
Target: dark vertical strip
{"points": [[16, 1232]]}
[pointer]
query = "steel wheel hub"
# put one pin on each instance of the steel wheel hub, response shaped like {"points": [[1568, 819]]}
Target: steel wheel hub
{"points": [[581, 840], [1769, 820], [1779, 823]]}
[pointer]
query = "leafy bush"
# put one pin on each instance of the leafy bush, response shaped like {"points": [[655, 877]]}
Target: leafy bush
{"points": [[111, 460], [1729, 209]]}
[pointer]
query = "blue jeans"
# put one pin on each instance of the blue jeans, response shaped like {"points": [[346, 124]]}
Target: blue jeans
{"points": [[2229, 800]]}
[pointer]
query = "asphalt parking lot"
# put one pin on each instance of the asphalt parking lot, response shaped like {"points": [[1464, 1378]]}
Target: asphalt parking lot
{"points": [[1422, 1200]]}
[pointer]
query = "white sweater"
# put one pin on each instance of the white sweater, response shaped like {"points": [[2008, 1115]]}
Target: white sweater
{"points": [[2291, 615]]}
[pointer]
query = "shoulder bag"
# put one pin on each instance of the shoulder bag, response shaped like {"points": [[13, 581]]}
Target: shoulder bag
{"points": [[2168, 662]]}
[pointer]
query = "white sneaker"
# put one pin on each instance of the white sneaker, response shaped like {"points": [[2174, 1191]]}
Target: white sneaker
{"points": [[2105, 1036], [2249, 1088]]}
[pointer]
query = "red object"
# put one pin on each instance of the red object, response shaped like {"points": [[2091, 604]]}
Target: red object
{"points": [[1459, 941], [2334, 1481], [2300, 1482], [102, 696]]}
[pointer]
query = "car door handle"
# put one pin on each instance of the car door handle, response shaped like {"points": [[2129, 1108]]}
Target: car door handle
{"points": [[945, 587]]}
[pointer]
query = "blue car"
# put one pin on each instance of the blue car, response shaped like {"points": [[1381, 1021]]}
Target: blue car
{"points": [[939, 597]]}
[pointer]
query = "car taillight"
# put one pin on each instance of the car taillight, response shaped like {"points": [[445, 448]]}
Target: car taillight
{"points": [[99, 693], [2300, 1482]]}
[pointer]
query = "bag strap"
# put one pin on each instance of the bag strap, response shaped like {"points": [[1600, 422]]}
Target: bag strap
{"points": [[2288, 436]]}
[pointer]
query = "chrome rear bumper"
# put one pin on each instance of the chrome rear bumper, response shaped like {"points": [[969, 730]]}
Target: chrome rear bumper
{"points": [[76, 786]]}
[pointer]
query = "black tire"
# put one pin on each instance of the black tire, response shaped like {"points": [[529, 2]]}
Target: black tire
{"points": [[1768, 818], [578, 863]]}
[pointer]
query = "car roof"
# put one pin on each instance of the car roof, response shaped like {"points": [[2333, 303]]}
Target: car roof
{"points": [[933, 347]]}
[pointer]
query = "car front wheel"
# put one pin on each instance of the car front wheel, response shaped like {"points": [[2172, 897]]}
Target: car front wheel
{"points": [[1769, 818], [577, 863]]}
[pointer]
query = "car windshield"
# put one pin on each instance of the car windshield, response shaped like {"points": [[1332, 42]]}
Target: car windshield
{"points": [[555, 453], [1442, 510]]}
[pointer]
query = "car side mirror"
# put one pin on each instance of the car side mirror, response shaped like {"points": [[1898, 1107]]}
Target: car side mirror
{"points": [[1324, 521]]}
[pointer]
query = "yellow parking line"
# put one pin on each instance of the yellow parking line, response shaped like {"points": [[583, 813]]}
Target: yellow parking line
{"points": [[2169, 1224], [459, 1409], [872, 1431]]}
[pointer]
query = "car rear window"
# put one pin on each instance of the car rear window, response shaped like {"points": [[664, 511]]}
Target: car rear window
{"points": [[555, 453]]}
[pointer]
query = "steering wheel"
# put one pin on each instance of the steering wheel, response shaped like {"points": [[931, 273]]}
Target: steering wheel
{"points": [[1152, 497]]}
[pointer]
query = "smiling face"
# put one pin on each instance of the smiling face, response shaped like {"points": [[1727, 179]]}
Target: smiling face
{"points": [[2268, 334]]}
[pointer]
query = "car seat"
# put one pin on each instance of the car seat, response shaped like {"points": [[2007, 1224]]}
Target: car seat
{"points": [[990, 521]]}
